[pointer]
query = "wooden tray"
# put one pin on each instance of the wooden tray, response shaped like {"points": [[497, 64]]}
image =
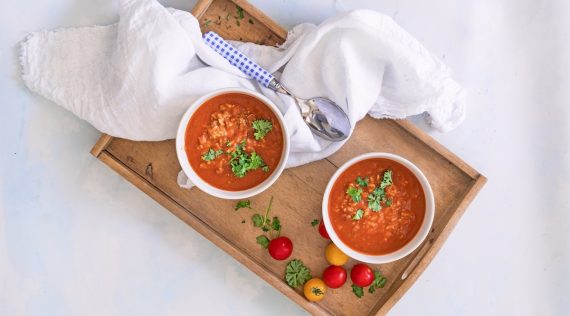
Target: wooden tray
{"points": [[153, 167]]}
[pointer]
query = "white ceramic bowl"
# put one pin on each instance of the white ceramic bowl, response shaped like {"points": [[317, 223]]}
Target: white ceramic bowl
{"points": [[412, 244], [206, 187]]}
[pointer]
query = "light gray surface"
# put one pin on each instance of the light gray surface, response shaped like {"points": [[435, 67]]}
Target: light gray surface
{"points": [[76, 239]]}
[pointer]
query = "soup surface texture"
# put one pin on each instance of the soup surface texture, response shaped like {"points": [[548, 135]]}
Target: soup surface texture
{"points": [[234, 141], [376, 206]]}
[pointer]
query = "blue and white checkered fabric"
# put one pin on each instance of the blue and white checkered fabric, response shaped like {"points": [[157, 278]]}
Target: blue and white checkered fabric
{"points": [[236, 58]]}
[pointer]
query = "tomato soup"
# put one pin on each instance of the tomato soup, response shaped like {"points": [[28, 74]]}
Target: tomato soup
{"points": [[376, 206], [234, 141]]}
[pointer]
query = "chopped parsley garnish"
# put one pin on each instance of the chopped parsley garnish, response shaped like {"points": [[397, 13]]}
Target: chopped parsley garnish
{"points": [[276, 224], [355, 193], [211, 154], [207, 22], [378, 196], [378, 283], [263, 241], [386, 179], [357, 290], [314, 222], [358, 215], [262, 127], [296, 273], [265, 223], [228, 144], [242, 204], [242, 162], [362, 182]]}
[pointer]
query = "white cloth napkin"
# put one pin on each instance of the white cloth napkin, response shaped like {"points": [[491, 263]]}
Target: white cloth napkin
{"points": [[135, 79]]}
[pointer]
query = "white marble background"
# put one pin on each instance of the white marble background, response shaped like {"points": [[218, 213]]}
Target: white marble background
{"points": [[76, 239]]}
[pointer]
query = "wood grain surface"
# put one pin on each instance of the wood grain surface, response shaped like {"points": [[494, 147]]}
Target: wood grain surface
{"points": [[153, 167]]}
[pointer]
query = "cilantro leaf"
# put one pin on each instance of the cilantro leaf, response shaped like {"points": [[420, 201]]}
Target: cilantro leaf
{"points": [[374, 199], [358, 291], [265, 168], [262, 127], [355, 194], [358, 215], [296, 273], [242, 162], [314, 222], [257, 220], [276, 224], [378, 196], [263, 241], [211, 154], [378, 283], [362, 182], [242, 204], [386, 179]]}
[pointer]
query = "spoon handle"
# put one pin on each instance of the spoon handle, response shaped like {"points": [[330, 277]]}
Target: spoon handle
{"points": [[238, 59]]}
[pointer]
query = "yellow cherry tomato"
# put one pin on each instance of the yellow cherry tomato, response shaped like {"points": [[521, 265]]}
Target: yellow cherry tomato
{"points": [[335, 256], [315, 289]]}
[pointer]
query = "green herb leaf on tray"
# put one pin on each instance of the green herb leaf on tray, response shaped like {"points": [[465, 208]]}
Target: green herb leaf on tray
{"points": [[378, 283], [261, 127], [263, 241], [358, 215], [242, 204], [362, 182], [276, 224], [314, 222], [354, 193], [358, 291], [257, 220], [211, 154], [207, 22], [296, 273]]}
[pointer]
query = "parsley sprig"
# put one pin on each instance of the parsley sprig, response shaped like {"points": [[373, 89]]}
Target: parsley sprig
{"points": [[242, 204], [378, 196], [211, 154], [261, 127], [358, 215], [273, 226], [296, 273], [355, 193], [378, 283], [242, 162], [357, 290]]}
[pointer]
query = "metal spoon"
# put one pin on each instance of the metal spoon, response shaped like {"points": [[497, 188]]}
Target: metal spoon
{"points": [[324, 117]]}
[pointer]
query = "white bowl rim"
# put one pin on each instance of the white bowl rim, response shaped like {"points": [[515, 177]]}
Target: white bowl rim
{"points": [[412, 244], [208, 188]]}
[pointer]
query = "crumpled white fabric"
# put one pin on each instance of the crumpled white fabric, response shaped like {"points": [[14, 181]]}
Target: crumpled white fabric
{"points": [[136, 78]]}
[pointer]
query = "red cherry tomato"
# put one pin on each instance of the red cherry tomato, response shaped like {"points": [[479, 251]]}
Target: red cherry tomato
{"points": [[323, 231], [362, 275], [280, 248], [334, 276]]}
